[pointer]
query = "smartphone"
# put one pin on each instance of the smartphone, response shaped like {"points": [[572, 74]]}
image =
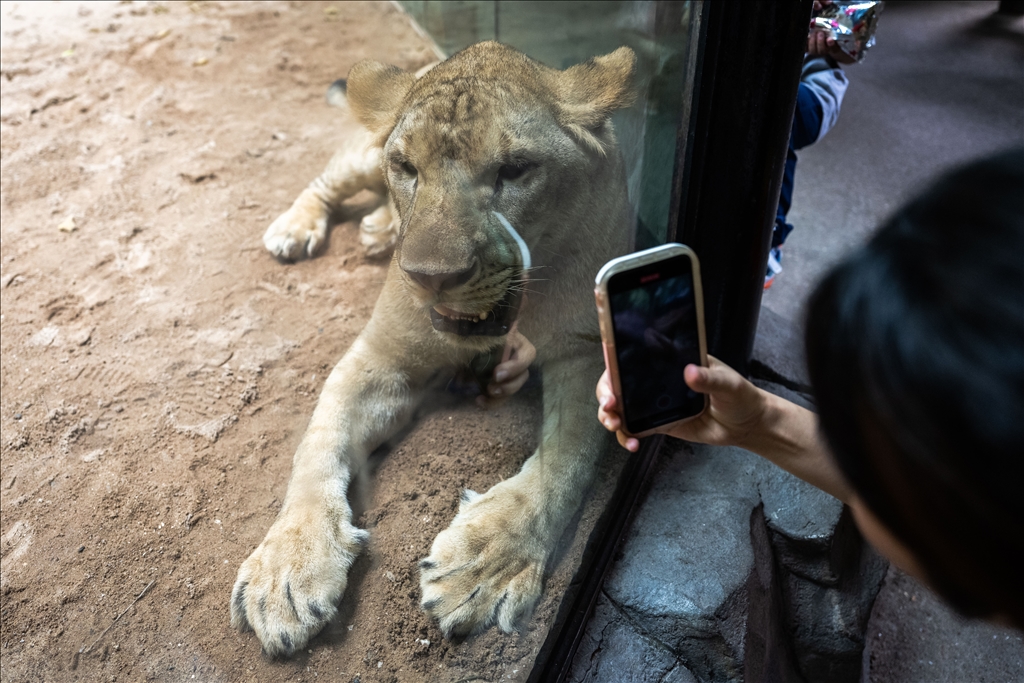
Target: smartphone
{"points": [[651, 310]]}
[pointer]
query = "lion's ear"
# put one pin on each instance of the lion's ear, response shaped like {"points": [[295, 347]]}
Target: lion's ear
{"points": [[375, 91], [588, 93]]}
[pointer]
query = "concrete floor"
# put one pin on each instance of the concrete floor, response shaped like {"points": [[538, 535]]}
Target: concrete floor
{"points": [[942, 86], [938, 89]]}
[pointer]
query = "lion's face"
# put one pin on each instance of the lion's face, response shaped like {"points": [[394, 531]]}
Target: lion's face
{"points": [[458, 155], [487, 132]]}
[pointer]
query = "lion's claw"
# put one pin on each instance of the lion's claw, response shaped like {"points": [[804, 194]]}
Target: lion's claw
{"points": [[480, 572], [289, 588], [298, 232]]}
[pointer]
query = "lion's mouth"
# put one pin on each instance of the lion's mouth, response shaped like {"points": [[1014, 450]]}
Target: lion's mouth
{"points": [[493, 323], [499, 319]]}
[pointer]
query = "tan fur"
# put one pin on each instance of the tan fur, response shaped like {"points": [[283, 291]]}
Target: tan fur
{"points": [[487, 106]]}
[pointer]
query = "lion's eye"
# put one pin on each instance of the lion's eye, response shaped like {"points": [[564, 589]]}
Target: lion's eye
{"points": [[405, 167], [512, 171]]}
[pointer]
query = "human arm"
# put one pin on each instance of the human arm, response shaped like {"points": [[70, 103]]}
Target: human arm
{"points": [[740, 414]]}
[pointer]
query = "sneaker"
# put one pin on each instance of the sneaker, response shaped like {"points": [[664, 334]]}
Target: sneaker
{"points": [[774, 266]]}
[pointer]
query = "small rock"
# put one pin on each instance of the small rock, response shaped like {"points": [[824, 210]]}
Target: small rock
{"points": [[93, 455], [202, 61], [17, 416], [67, 225], [45, 336], [81, 548], [81, 336]]}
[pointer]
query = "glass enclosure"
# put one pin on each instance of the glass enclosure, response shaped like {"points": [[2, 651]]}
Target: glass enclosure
{"points": [[651, 136]]}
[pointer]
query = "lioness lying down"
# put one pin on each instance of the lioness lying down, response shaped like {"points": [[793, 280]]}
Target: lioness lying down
{"points": [[486, 138]]}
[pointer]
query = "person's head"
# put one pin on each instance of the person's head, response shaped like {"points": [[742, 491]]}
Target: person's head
{"points": [[915, 345]]}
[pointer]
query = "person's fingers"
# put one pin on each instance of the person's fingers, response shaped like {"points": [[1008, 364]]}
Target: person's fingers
{"points": [[716, 378], [818, 38], [521, 356], [820, 47], [837, 53], [611, 421], [604, 392], [488, 402], [507, 374], [630, 443], [510, 386], [609, 417]]}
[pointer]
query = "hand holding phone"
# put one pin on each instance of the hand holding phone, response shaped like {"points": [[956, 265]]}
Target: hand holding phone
{"points": [[652, 326], [735, 415]]}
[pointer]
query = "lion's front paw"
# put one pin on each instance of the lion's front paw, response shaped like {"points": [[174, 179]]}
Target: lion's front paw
{"points": [[299, 231], [290, 586], [486, 568]]}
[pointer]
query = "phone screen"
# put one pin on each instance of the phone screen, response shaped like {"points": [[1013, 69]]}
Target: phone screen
{"points": [[654, 316]]}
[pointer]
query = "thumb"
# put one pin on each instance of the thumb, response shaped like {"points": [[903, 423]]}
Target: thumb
{"points": [[714, 379]]}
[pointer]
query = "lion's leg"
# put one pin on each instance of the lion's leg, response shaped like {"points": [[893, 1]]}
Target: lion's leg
{"points": [[288, 589], [488, 566], [299, 231]]}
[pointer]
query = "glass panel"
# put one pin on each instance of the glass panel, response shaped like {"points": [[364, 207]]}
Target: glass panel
{"points": [[507, 191]]}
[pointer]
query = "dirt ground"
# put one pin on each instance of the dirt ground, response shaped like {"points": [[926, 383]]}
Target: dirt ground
{"points": [[159, 367]]}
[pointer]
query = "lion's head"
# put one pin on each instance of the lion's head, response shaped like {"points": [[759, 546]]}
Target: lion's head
{"points": [[487, 132]]}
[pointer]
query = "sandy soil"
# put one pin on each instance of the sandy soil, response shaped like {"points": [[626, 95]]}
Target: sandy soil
{"points": [[158, 367]]}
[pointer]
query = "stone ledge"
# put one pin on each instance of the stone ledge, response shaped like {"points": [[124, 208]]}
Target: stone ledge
{"points": [[734, 570]]}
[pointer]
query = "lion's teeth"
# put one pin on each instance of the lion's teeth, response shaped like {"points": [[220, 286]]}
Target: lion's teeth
{"points": [[459, 315]]}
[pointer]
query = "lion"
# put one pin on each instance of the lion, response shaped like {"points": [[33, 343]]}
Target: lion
{"points": [[486, 146]]}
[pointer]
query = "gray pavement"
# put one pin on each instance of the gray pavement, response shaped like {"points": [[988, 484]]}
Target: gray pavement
{"points": [[940, 87]]}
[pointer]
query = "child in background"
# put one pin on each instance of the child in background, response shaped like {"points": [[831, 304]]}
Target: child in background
{"points": [[820, 96]]}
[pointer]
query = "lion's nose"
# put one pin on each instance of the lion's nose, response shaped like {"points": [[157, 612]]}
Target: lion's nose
{"points": [[438, 282]]}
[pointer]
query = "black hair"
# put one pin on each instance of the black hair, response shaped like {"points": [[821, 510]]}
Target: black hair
{"points": [[915, 346]]}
